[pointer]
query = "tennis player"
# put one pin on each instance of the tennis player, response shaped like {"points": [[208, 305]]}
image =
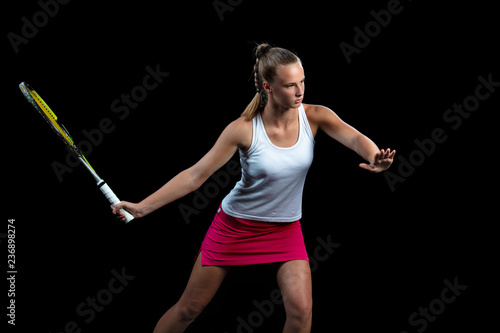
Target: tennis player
{"points": [[258, 221]]}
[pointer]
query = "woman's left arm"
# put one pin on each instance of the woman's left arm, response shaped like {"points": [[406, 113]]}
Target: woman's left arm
{"points": [[326, 120]]}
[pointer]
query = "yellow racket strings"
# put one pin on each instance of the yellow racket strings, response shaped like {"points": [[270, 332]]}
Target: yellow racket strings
{"points": [[53, 119]]}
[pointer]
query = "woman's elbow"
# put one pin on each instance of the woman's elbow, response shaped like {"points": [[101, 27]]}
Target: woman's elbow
{"points": [[196, 179]]}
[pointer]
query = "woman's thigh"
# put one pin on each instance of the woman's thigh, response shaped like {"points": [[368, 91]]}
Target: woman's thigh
{"points": [[294, 280], [203, 283]]}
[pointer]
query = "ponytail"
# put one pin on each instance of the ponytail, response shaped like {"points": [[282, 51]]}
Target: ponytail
{"points": [[254, 107]]}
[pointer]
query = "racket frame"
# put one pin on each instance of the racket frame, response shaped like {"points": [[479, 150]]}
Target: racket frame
{"points": [[50, 117]]}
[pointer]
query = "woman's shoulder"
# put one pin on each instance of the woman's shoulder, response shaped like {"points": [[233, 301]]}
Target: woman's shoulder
{"points": [[316, 115], [241, 125], [240, 130], [314, 111]]}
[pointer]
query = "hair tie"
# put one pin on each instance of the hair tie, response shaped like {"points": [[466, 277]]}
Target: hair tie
{"points": [[267, 48]]}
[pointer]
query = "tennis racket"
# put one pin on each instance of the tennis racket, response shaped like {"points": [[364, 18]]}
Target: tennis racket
{"points": [[37, 102]]}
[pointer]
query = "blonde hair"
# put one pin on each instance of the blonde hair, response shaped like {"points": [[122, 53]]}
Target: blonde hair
{"points": [[267, 61]]}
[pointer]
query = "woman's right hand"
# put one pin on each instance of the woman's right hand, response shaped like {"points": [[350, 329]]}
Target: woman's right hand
{"points": [[132, 208]]}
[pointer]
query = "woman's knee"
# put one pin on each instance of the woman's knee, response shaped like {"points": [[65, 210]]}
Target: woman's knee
{"points": [[300, 311]]}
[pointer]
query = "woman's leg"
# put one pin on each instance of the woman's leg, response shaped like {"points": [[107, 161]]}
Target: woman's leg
{"points": [[201, 288], [294, 280]]}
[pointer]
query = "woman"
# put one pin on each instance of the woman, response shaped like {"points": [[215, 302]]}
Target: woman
{"points": [[258, 221]]}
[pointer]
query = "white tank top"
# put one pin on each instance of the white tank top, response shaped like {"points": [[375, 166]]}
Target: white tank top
{"points": [[272, 178]]}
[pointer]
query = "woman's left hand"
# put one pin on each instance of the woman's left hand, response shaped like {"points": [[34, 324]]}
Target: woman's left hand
{"points": [[381, 161]]}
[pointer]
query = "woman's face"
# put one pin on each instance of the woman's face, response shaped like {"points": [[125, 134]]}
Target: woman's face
{"points": [[287, 90]]}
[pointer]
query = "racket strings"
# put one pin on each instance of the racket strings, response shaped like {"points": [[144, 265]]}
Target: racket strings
{"points": [[51, 118], [43, 105]]}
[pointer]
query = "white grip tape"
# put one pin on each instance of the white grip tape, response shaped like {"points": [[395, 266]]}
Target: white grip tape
{"points": [[113, 199]]}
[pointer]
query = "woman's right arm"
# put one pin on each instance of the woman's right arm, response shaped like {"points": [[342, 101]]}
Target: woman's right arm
{"points": [[236, 134]]}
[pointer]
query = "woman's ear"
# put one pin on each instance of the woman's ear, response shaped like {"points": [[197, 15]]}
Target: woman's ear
{"points": [[267, 87]]}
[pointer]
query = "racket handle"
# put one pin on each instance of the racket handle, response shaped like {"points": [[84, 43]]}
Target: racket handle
{"points": [[113, 199]]}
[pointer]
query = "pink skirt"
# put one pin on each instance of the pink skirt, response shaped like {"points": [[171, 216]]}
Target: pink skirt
{"points": [[235, 241]]}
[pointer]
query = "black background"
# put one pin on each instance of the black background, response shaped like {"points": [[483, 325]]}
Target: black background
{"points": [[396, 247]]}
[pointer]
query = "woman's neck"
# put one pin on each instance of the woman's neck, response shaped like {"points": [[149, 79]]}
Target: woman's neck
{"points": [[279, 116]]}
